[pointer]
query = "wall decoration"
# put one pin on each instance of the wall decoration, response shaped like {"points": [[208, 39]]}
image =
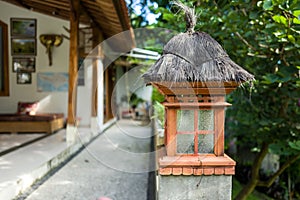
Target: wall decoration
{"points": [[21, 27], [52, 82], [50, 41], [23, 78], [23, 64], [25, 46]]}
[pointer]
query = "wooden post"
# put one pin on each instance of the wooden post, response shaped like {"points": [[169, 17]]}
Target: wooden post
{"points": [[97, 38], [95, 88], [109, 84], [219, 116], [73, 61], [171, 144]]}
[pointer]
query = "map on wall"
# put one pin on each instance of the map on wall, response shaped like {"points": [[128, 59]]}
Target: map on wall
{"points": [[52, 82]]}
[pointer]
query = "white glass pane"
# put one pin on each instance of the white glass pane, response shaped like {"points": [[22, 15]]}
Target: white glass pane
{"points": [[185, 120], [205, 120], [206, 143], [185, 143]]}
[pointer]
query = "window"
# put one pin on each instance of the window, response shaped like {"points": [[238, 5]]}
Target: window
{"points": [[4, 75], [195, 131], [195, 127]]}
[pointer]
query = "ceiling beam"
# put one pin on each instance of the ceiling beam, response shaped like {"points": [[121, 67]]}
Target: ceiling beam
{"points": [[123, 17], [89, 15], [48, 4], [21, 3]]}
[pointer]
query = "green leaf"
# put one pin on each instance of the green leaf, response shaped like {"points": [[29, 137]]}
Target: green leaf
{"points": [[168, 16], [295, 145], [291, 38], [270, 78], [296, 13], [268, 5], [253, 15], [280, 19], [271, 25]]}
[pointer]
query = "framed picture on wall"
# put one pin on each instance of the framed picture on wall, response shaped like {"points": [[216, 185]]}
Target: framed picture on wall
{"points": [[23, 78], [26, 46], [22, 27], [23, 64]]}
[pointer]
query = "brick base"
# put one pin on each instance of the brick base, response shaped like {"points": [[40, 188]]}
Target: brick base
{"points": [[196, 165]]}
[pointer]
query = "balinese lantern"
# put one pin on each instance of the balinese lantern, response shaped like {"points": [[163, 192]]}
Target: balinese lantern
{"points": [[195, 73]]}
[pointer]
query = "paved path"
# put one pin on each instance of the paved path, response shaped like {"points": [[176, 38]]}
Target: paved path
{"points": [[115, 165]]}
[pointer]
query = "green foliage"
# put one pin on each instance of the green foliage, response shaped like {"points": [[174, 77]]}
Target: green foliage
{"points": [[264, 38], [159, 112], [295, 145], [237, 187], [157, 96], [135, 100]]}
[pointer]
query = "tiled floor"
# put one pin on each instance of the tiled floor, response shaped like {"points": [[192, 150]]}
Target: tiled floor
{"points": [[115, 165], [10, 141], [19, 168]]}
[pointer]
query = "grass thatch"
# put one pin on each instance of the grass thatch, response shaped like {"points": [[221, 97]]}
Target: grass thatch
{"points": [[195, 57]]}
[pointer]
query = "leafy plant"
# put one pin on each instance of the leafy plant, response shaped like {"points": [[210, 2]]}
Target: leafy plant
{"points": [[262, 36]]}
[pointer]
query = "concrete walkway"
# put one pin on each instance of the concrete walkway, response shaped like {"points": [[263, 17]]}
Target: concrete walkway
{"points": [[114, 165]]}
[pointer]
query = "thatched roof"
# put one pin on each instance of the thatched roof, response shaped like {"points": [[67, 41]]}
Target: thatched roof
{"points": [[195, 57]]}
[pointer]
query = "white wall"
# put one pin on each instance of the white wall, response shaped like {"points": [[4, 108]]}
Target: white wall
{"points": [[100, 92], [49, 101], [84, 95], [132, 82]]}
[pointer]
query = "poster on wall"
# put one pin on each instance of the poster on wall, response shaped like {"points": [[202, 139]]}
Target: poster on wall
{"points": [[23, 78], [23, 64], [22, 27], [52, 82], [23, 47]]}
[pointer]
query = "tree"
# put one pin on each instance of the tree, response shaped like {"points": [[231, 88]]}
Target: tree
{"points": [[263, 37]]}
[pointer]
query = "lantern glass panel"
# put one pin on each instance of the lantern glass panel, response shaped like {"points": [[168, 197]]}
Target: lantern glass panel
{"points": [[206, 120], [206, 143], [185, 120], [185, 143]]}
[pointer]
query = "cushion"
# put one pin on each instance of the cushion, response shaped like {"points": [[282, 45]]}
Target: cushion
{"points": [[27, 108]]}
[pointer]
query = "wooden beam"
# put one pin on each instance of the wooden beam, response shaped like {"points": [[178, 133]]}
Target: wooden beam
{"points": [[21, 3], [73, 12], [51, 11], [86, 12], [109, 85], [48, 4], [219, 134], [97, 38], [73, 61], [171, 143], [120, 7]]}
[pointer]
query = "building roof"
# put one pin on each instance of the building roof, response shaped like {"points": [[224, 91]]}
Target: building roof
{"points": [[110, 16]]}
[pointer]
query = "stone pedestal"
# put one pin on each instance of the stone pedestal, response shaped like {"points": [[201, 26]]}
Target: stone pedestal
{"points": [[204, 177], [195, 187]]}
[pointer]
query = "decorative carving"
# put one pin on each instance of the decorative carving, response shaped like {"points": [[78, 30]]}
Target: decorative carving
{"points": [[50, 40]]}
